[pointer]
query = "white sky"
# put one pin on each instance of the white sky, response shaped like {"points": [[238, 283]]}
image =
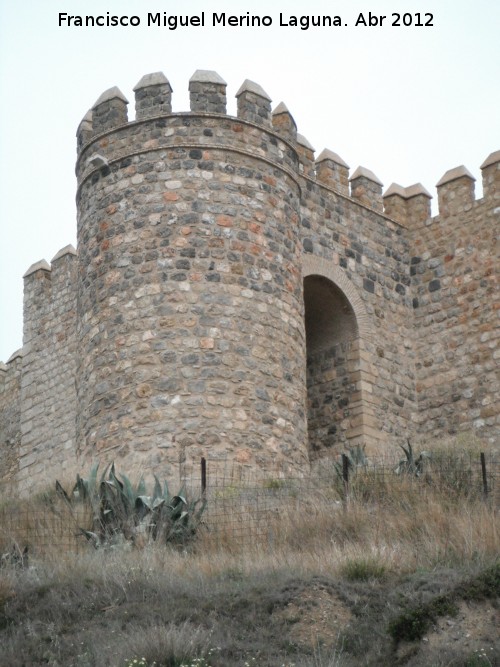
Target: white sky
{"points": [[407, 103]]}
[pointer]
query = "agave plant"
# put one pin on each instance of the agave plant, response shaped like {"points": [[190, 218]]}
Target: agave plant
{"points": [[411, 465], [356, 458], [121, 510]]}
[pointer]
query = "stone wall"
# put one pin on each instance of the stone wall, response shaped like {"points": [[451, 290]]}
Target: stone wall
{"points": [[454, 266], [331, 395], [48, 446], [235, 298], [10, 420], [367, 256]]}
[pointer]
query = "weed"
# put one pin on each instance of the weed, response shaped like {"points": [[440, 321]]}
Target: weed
{"points": [[274, 484], [485, 585], [480, 658], [363, 569], [413, 624]]}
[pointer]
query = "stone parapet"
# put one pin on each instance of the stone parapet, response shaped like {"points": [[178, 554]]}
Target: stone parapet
{"points": [[153, 96], [409, 206], [15, 357], [47, 383], [455, 191], [394, 200], [253, 103], [283, 123], [491, 177], [418, 204], [207, 92], [84, 131], [10, 421], [366, 188], [40, 266], [331, 170], [109, 111], [306, 156]]}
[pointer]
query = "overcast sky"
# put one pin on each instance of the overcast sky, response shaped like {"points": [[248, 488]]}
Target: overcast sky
{"points": [[408, 103]]}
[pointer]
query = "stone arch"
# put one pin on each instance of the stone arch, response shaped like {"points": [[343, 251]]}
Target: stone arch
{"points": [[312, 265], [339, 388]]}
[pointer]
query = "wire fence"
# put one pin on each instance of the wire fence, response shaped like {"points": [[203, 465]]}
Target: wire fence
{"points": [[245, 506]]}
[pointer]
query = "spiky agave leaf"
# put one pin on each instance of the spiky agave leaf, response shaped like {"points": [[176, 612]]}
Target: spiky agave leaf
{"points": [[62, 493], [114, 478], [141, 488], [144, 501], [408, 453], [128, 490], [158, 502], [80, 488], [157, 488], [91, 537], [92, 480], [178, 499]]}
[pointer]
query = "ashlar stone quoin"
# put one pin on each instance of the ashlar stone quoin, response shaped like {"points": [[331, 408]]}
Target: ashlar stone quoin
{"points": [[234, 299]]}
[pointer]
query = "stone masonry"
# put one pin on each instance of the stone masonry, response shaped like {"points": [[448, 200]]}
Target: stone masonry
{"points": [[235, 298]]}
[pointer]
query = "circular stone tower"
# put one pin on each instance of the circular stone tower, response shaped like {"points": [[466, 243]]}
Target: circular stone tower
{"points": [[190, 298]]}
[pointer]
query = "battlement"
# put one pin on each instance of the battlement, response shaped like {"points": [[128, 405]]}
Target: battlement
{"points": [[207, 94], [284, 123], [56, 270], [46, 287], [254, 104], [11, 369], [411, 205], [331, 170], [153, 96]]}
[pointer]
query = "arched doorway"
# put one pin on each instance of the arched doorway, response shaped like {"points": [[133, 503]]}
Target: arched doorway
{"points": [[333, 367]]}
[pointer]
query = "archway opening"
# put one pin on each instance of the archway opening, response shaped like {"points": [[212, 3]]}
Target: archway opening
{"points": [[332, 339]]}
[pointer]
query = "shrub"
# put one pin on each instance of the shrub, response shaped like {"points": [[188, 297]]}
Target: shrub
{"points": [[122, 511], [413, 624], [411, 465], [363, 569]]}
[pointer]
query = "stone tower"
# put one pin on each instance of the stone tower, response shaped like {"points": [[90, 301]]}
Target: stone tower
{"points": [[191, 315]]}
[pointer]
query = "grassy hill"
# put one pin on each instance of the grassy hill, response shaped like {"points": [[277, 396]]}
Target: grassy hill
{"points": [[404, 572]]}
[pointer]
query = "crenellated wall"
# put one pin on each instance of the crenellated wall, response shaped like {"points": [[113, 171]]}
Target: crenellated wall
{"points": [[47, 383], [235, 298], [455, 274], [10, 419]]}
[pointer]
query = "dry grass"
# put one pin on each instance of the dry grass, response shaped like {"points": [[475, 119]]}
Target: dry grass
{"points": [[400, 522], [408, 523], [107, 607], [394, 542], [404, 529]]}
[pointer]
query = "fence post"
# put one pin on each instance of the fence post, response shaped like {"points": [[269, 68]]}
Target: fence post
{"points": [[345, 475], [483, 471], [203, 477]]}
